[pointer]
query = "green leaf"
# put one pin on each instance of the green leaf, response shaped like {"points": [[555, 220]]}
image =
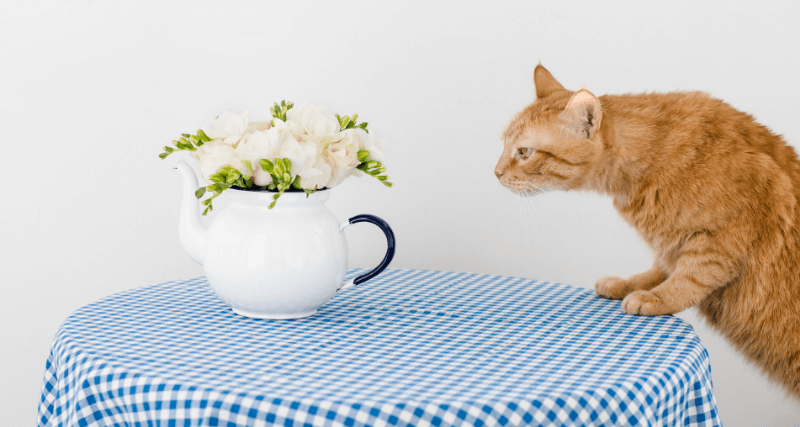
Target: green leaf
{"points": [[183, 146], [283, 103], [382, 177], [363, 155], [203, 136], [200, 191], [275, 199], [248, 165], [373, 164], [218, 188], [288, 164], [345, 122], [207, 209], [216, 178], [207, 201], [267, 165], [387, 183], [272, 186], [163, 155], [296, 183], [280, 169]]}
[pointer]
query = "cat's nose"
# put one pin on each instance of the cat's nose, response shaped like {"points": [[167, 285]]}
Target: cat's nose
{"points": [[498, 172]]}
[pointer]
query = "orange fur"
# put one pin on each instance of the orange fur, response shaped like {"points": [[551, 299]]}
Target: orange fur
{"points": [[715, 194]]}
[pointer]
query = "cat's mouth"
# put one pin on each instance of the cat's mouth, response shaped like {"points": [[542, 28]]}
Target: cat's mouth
{"points": [[524, 188]]}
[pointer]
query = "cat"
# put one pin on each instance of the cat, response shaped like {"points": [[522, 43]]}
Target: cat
{"points": [[714, 194]]}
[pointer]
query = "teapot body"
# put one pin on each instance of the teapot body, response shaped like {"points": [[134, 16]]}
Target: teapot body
{"points": [[279, 263]]}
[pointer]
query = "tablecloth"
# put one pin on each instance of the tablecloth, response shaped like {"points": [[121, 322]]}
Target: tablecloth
{"points": [[410, 347]]}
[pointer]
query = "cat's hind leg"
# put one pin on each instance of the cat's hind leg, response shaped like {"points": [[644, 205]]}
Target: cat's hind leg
{"points": [[613, 287]]}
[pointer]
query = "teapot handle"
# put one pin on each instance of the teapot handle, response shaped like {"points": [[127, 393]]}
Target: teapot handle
{"points": [[389, 248]]}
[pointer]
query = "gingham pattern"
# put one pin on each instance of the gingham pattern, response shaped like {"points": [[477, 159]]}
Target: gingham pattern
{"points": [[409, 347]]}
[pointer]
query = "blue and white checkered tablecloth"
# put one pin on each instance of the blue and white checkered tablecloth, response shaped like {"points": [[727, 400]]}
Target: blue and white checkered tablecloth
{"points": [[409, 347]]}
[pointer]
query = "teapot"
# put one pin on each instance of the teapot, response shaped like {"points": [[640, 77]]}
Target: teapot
{"points": [[279, 263]]}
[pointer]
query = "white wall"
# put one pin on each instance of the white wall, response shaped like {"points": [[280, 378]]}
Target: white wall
{"points": [[90, 92]]}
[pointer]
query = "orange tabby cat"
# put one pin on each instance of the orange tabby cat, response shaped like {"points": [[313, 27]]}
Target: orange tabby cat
{"points": [[715, 194]]}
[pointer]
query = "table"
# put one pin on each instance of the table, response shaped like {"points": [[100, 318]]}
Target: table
{"points": [[410, 347]]}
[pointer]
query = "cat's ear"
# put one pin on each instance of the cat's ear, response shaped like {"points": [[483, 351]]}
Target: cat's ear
{"points": [[583, 110], [545, 82]]}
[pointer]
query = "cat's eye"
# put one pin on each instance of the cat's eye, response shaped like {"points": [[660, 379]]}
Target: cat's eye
{"points": [[524, 152]]}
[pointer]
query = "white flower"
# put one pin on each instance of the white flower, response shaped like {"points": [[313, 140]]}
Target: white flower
{"points": [[316, 124], [322, 125], [302, 114], [258, 126], [343, 158], [278, 141], [229, 127], [376, 148], [342, 154], [338, 175], [238, 164], [260, 176], [352, 138], [259, 145], [302, 156], [316, 180], [321, 153], [213, 155], [294, 128]]}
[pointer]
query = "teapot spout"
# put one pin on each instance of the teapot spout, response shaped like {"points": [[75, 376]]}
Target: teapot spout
{"points": [[191, 230]]}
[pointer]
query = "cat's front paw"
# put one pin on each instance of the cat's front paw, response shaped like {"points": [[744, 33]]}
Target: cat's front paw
{"points": [[644, 303], [612, 287]]}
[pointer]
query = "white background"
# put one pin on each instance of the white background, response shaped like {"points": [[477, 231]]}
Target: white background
{"points": [[91, 91]]}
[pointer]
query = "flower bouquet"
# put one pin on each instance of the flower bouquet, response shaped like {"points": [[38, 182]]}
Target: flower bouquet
{"points": [[299, 149]]}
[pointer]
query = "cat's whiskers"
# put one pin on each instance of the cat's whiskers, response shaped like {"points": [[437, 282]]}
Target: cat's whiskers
{"points": [[539, 223], [558, 204], [523, 218], [525, 190]]}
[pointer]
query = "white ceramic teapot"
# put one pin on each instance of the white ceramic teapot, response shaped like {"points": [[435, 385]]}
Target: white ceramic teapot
{"points": [[280, 263]]}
